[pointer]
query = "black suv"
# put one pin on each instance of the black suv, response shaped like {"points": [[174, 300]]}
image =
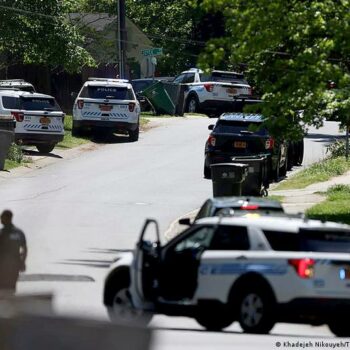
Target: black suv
{"points": [[242, 134]]}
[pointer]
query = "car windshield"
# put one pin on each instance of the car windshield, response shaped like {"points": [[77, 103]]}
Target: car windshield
{"points": [[107, 92], [309, 240], [39, 103], [236, 127]]}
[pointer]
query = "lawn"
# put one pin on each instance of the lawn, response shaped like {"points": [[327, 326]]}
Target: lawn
{"points": [[335, 208], [70, 141], [318, 172]]}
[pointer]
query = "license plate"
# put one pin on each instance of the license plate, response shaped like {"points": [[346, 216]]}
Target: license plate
{"points": [[105, 108], [344, 273], [232, 91], [45, 121], [240, 144]]}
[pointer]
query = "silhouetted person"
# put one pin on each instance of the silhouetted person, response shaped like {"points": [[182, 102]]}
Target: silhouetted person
{"points": [[13, 253]]}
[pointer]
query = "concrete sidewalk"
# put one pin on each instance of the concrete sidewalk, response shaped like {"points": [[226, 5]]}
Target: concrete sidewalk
{"points": [[299, 200]]}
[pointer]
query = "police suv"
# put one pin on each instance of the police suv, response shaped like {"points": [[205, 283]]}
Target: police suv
{"points": [[19, 84], [257, 271], [39, 120], [108, 104], [213, 94]]}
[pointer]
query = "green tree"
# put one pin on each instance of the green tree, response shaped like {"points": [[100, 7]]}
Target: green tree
{"points": [[291, 51], [38, 31]]}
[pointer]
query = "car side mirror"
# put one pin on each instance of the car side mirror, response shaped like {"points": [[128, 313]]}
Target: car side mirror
{"points": [[211, 127], [185, 221], [74, 95]]}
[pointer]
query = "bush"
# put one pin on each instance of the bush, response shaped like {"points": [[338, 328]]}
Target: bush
{"points": [[336, 149], [15, 153]]}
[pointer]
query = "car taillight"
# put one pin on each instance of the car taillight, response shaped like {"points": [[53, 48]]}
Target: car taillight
{"points": [[303, 267], [209, 87], [132, 106], [270, 143], [250, 91], [18, 116], [212, 140], [80, 104], [249, 207]]}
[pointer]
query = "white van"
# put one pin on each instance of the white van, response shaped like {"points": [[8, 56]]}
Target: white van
{"points": [[108, 104], [39, 120]]}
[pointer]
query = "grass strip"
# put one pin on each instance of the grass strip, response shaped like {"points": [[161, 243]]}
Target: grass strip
{"points": [[70, 141], [318, 172], [335, 208]]}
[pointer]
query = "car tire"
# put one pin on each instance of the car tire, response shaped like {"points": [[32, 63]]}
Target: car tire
{"points": [[134, 134], [46, 147], [192, 105], [214, 319], [119, 304], [207, 172], [255, 309], [340, 328], [76, 131]]}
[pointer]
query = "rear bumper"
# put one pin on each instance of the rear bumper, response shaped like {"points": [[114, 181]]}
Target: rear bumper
{"points": [[221, 106], [313, 310], [114, 125], [35, 139]]}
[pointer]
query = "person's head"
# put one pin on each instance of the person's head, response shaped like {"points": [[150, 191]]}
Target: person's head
{"points": [[6, 217]]}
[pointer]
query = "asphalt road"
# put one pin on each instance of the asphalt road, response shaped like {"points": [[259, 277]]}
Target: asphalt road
{"points": [[79, 213]]}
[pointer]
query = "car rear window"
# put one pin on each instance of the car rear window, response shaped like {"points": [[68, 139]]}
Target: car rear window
{"points": [[39, 103], [235, 127], [107, 92], [230, 238], [224, 77], [10, 102], [309, 240]]}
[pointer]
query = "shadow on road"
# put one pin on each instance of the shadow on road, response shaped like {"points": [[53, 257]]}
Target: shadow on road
{"points": [[107, 250], [103, 264], [29, 152]]}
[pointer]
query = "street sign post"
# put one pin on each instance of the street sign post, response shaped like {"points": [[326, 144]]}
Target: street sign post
{"points": [[155, 51]]}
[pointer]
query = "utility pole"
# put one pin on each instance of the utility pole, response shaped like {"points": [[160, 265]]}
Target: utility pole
{"points": [[121, 38]]}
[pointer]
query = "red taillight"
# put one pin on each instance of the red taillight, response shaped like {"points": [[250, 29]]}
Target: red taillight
{"points": [[270, 143], [18, 116], [249, 207], [132, 106], [80, 104], [209, 87], [250, 91], [303, 267], [212, 140]]}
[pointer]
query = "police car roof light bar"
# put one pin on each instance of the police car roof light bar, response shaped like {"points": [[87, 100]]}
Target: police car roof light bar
{"points": [[109, 79]]}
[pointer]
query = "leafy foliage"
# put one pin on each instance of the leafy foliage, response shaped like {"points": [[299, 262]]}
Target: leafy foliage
{"points": [[15, 153], [291, 50], [37, 31]]}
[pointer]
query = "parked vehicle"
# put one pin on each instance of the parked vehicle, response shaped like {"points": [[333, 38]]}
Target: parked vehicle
{"points": [[19, 84], [241, 134], [39, 120], [254, 271], [236, 206], [141, 84], [108, 104], [213, 94]]}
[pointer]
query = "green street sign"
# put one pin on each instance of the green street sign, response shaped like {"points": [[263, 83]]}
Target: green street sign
{"points": [[156, 51]]}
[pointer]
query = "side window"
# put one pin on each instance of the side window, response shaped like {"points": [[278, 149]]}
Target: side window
{"points": [[230, 238], [283, 241], [201, 238], [179, 79], [189, 78], [10, 102]]}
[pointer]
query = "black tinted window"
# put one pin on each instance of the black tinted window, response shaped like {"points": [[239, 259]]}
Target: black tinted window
{"points": [[107, 92], [37, 104], [230, 238], [283, 241], [235, 127], [10, 102]]}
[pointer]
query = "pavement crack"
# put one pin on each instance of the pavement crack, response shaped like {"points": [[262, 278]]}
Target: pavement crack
{"points": [[37, 195]]}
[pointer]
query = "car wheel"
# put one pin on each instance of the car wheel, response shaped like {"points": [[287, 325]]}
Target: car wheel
{"points": [[134, 135], [214, 319], [192, 104], [46, 147], [119, 303], [340, 328], [255, 310], [76, 131], [207, 172]]}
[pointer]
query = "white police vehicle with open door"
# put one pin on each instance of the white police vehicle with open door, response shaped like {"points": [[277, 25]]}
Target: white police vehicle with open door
{"points": [[107, 104], [255, 271]]}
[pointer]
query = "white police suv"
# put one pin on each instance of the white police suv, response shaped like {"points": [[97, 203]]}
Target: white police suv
{"points": [[39, 120], [257, 271], [108, 104]]}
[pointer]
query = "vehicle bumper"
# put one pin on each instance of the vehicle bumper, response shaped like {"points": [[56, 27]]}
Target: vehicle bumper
{"points": [[221, 106], [115, 125], [35, 139], [313, 310]]}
